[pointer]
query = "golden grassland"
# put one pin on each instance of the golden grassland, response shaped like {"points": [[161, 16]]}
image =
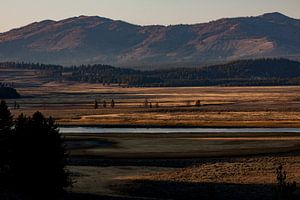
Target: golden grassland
{"points": [[108, 164], [73, 104]]}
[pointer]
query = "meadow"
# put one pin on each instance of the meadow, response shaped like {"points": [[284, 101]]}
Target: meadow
{"points": [[73, 104], [193, 166]]}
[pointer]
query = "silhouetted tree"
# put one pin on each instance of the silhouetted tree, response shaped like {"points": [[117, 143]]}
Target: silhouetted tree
{"points": [[146, 103], [112, 104], [96, 104], [198, 103], [6, 125], [150, 105], [284, 189], [39, 158]]}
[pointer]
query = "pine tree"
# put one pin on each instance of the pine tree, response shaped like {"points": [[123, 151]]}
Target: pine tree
{"points": [[6, 119], [146, 103], [112, 104], [6, 125], [96, 104], [198, 103], [39, 157]]}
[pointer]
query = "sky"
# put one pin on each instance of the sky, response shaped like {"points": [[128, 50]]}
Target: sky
{"points": [[16, 13]]}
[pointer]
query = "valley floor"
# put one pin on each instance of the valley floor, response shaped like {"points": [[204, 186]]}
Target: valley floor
{"points": [[73, 104], [179, 166], [231, 178]]}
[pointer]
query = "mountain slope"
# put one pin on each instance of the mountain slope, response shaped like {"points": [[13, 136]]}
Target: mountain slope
{"points": [[99, 40]]}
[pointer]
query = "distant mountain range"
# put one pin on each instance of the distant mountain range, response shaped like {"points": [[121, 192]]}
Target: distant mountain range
{"points": [[90, 40]]}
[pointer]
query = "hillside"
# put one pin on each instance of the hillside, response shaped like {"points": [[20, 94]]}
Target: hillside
{"points": [[236, 73], [91, 40]]}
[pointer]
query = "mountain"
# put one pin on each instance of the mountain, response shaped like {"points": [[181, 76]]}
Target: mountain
{"points": [[90, 40]]}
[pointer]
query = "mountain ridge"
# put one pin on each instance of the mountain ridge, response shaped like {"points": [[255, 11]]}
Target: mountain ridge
{"points": [[94, 39]]}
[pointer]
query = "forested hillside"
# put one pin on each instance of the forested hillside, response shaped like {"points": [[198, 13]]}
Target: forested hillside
{"points": [[237, 73]]}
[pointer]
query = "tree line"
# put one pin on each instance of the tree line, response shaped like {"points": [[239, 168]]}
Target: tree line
{"points": [[237, 73]]}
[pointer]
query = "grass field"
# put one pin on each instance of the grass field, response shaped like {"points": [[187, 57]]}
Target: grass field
{"points": [[170, 166], [73, 104]]}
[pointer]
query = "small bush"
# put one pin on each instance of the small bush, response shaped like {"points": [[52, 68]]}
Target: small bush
{"points": [[284, 189]]}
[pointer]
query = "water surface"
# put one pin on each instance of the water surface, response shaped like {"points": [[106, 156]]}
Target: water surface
{"points": [[99, 130]]}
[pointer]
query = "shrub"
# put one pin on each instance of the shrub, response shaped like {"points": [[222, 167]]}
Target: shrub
{"points": [[284, 189]]}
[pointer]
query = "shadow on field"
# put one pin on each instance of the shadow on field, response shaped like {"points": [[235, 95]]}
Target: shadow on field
{"points": [[191, 191], [75, 196]]}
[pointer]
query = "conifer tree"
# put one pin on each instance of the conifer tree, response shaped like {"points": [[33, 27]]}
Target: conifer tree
{"points": [[6, 125], [198, 103], [96, 104], [112, 104], [39, 158]]}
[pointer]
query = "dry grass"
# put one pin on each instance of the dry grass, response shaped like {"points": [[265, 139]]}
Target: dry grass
{"points": [[72, 104], [260, 170]]}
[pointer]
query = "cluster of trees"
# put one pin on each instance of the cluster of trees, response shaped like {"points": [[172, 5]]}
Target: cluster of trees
{"points": [[8, 93], [103, 74], [33, 157], [23, 65], [148, 104], [237, 73], [104, 104]]}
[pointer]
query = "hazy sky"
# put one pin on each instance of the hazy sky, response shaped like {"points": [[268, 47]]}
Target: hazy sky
{"points": [[15, 13]]}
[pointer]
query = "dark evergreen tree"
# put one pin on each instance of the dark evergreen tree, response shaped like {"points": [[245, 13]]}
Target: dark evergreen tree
{"points": [[112, 104], [146, 103], [96, 104], [6, 125], [198, 103], [39, 158]]}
